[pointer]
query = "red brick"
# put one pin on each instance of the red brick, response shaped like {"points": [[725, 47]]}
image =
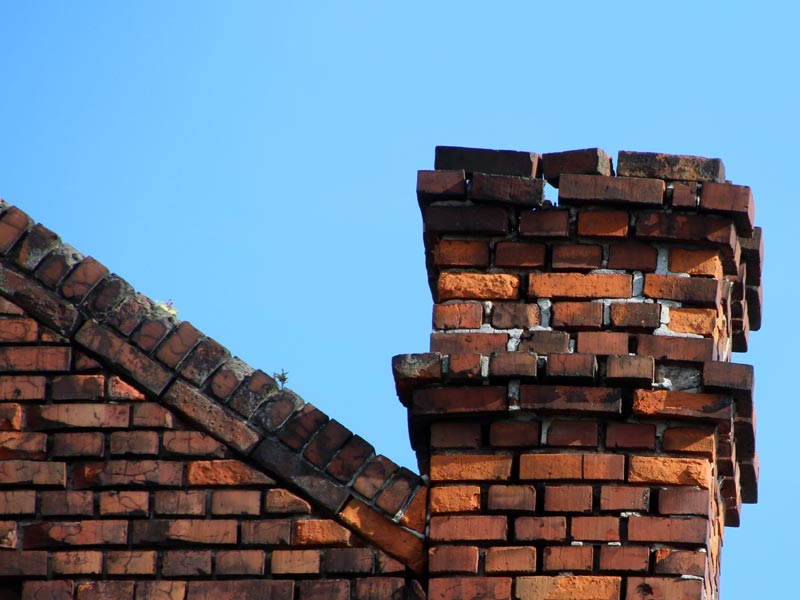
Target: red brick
{"points": [[63, 503], [684, 501], [668, 530], [134, 442], [12, 225], [737, 378], [559, 398], [379, 588], [576, 367], [568, 558], [680, 562], [394, 496], [15, 444], [669, 166], [631, 435], [464, 367], [77, 444], [590, 161], [453, 559], [736, 200], [521, 364], [568, 498], [186, 563], [48, 308], [162, 590], [49, 590], [457, 316], [22, 387], [458, 253], [203, 360], [23, 564], [122, 355], [295, 562], [30, 358], [551, 466], [603, 466], [577, 315], [374, 475], [191, 443], [544, 342], [511, 559], [326, 442], [602, 342], [576, 257], [660, 403], [697, 290], [415, 514], [131, 562], [540, 528], [228, 377], [512, 498], [75, 533], [349, 560], [187, 531], [444, 183], [635, 315], [468, 528], [470, 467], [272, 532], [617, 498], [224, 472], [333, 589], [632, 256], [630, 370], [245, 588], [544, 223], [33, 472], [662, 347], [576, 285], [350, 458], [9, 308], [84, 562], [214, 418], [488, 588], [17, 502], [18, 330], [106, 590], [684, 195], [501, 162], [77, 387], [624, 558], [465, 343], [583, 189], [459, 400], [455, 499], [455, 435], [320, 532], [507, 189], [125, 472], [514, 434], [177, 502], [572, 433], [126, 502], [603, 223], [515, 316], [82, 279], [490, 220], [519, 255], [686, 227], [8, 535], [605, 529]]}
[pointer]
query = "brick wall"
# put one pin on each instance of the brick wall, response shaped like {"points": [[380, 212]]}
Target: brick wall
{"points": [[584, 432]]}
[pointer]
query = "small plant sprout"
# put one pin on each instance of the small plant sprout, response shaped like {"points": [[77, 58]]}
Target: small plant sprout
{"points": [[281, 377], [167, 306]]}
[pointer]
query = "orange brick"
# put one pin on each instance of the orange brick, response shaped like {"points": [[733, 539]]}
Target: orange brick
{"points": [[576, 285], [668, 530], [696, 262], [320, 532], [470, 467], [477, 286], [568, 587], [512, 498], [670, 471], [662, 403], [224, 472], [511, 559], [551, 466], [455, 498], [568, 558], [603, 223], [690, 439], [457, 316], [702, 321], [457, 253], [519, 255]]}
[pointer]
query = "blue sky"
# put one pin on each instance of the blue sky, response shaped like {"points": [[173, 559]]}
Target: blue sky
{"points": [[256, 163]]}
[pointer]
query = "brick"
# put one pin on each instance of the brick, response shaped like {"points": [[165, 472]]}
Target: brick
{"points": [[576, 285], [51, 590], [177, 502], [540, 528], [669, 166], [515, 316], [186, 563], [12, 225], [374, 475], [8, 534], [477, 286], [695, 290], [572, 433], [415, 514], [583, 189], [544, 223], [511, 559], [455, 435], [235, 502], [736, 200], [228, 378], [560, 398], [162, 590], [630, 370], [271, 532], [576, 257], [680, 227], [33, 472], [624, 558], [668, 530], [378, 588], [349, 560], [568, 498], [48, 308], [455, 498], [77, 387], [252, 393], [15, 444], [31, 563], [567, 558], [670, 471], [333, 589], [142, 473], [17, 502], [106, 590], [675, 348], [517, 498], [57, 416], [632, 256], [204, 360], [680, 562], [577, 315], [696, 262], [544, 342], [383, 533], [134, 442], [190, 443], [75, 533], [603, 466], [481, 528], [77, 444], [464, 367], [152, 414], [489, 220], [320, 532], [106, 295], [684, 195], [34, 358], [467, 343], [603, 223], [617, 498], [684, 501], [551, 466], [660, 403], [731, 377], [9, 308], [18, 330], [690, 439], [245, 588], [485, 588], [64, 503], [460, 253], [271, 414], [605, 529], [501, 162], [459, 400], [631, 435], [506, 364], [22, 387], [514, 434], [568, 587], [590, 161], [131, 562], [326, 442], [441, 183], [85, 562], [214, 418], [602, 342], [185, 531], [453, 559], [82, 279], [457, 316], [394, 496], [507, 189], [123, 356], [224, 472], [470, 467], [519, 255], [635, 315], [350, 458]]}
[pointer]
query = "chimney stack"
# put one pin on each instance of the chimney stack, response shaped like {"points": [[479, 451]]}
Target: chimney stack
{"points": [[585, 434]]}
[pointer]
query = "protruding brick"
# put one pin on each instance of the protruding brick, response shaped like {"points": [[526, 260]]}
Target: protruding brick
{"points": [[502, 162], [696, 262], [431, 184], [695, 290], [662, 347], [589, 161], [670, 471], [507, 189], [630, 370], [736, 200], [669, 166], [660, 403], [478, 286]]}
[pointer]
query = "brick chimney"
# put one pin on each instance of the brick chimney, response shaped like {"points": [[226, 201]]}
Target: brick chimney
{"points": [[585, 434]]}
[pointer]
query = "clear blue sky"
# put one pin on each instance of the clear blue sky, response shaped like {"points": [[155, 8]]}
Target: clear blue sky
{"points": [[256, 162]]}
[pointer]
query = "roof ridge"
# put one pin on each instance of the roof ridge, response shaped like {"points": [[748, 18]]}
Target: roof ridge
{"points": [[269, 425]]}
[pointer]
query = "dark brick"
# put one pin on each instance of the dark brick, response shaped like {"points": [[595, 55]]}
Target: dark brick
{"points": [[520, 191], [459, 400], [12, 225], [573, 433], [431, 184], [669, 166], [596, 189], [589, 161], [491, 220], [203, 360], [45, 306], [302, 426], [501, 162], [519, 255], [577, 367], [127, 315], [545, 342], [674, 348], [632, 256], [736, 200], [228, 377], [378, 470], [397, 492], [82, 279], [544, 223], [35, 246], [178, 345], [554, 399], [326, 442], [350, 458], [576, 257], [250, 395]]}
